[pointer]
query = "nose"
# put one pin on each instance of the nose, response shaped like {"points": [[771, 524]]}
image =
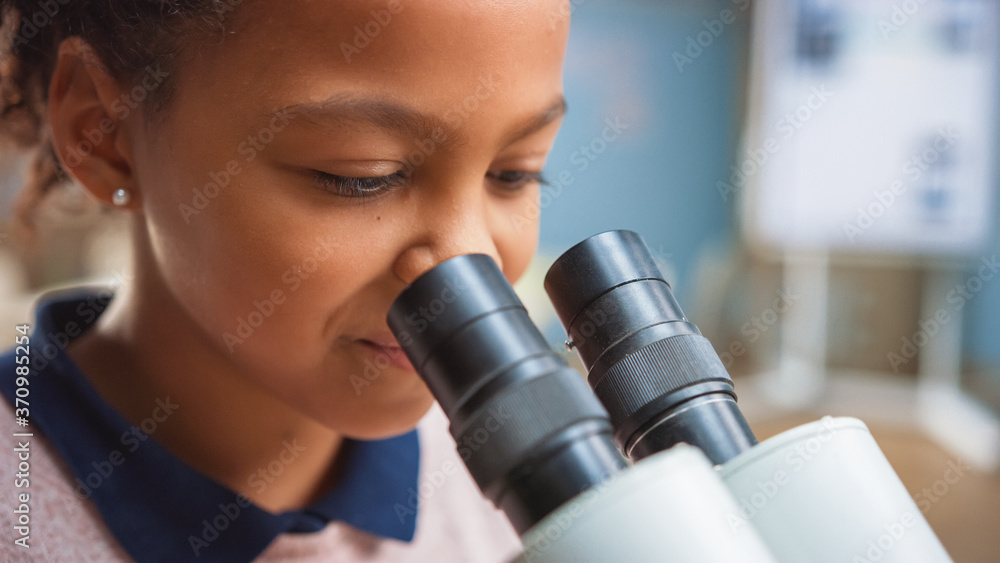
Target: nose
{"points": [[448, 229]]}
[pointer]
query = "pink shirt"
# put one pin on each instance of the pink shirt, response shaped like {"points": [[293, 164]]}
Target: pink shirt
{"points": [[454, 521]]}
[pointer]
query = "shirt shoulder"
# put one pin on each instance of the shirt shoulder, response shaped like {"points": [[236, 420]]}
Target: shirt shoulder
{"points": [[54, 523]]}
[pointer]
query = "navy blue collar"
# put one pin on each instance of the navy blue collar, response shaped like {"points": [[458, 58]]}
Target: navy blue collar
{"points": [[157, 507]]}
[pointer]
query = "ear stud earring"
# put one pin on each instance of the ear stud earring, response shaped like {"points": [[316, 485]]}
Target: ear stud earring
{"points": [[120, 197]]}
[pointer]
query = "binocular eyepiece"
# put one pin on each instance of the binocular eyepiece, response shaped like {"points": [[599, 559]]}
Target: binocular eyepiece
{"points": [[542, 436], [659, 378]]}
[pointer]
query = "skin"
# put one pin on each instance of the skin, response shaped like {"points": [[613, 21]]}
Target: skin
{"points": [[197, 275]]}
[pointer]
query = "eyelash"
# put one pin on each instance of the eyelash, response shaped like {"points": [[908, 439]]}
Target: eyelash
{"points": [[517, 179], [347, 186]]}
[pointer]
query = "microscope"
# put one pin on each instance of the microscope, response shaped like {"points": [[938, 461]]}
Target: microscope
{"points": [[653, 460]]}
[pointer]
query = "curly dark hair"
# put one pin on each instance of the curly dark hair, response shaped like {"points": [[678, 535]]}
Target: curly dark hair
{"points": [[128, 36]]}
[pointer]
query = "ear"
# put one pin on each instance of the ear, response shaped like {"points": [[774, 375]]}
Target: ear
{"points": [[87, 117]]}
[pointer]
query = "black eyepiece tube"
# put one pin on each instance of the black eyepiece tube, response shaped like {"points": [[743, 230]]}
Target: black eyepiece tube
{"points": [[659, 378], [531, 433]]}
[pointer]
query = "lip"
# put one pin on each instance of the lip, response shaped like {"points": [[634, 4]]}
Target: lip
{"points": [[381, 349]]}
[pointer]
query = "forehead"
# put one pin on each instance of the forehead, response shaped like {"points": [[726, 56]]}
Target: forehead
{"points": [[426, 54]]}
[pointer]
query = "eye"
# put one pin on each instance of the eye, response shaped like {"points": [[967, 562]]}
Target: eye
{"points": [[513, 180], [348, 186]]}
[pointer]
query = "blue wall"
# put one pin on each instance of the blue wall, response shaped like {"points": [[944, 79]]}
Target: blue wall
{"points": [[981, 336], [658, 176]]}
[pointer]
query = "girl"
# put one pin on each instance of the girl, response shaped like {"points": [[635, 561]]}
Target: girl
{"points": [[288, 168]]}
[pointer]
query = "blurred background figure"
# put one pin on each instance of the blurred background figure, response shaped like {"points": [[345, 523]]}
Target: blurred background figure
{"points": [[817, 179]]}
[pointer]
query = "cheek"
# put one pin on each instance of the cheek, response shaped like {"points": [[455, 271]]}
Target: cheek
{"points": [[256, 274], [515, 225]]}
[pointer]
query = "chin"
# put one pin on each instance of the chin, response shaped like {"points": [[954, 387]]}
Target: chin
{"points": [[385, 421]]}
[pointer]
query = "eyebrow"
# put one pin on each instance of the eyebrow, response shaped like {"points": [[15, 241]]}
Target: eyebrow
{"points": [[407, 121], [551, 113]]}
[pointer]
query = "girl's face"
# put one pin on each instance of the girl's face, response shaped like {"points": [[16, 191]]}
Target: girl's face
{"points": [[326, 154]]}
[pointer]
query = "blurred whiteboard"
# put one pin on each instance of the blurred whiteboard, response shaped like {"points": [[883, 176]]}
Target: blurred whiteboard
{"points": [[873, 126]]}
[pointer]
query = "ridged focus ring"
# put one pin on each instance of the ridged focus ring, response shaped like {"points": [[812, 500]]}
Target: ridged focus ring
{"points": [[661, 367]]}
